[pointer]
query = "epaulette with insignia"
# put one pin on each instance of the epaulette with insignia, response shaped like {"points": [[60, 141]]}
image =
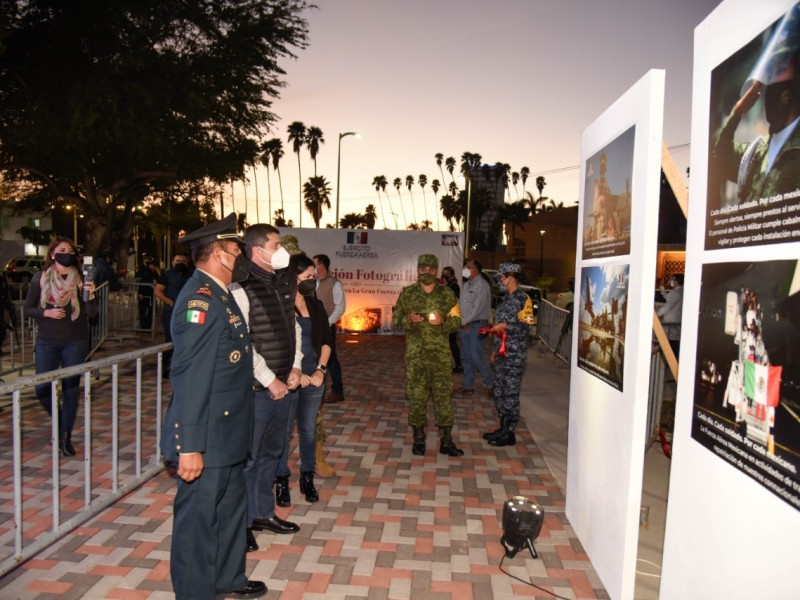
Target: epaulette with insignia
{"points": [[205, 290]]}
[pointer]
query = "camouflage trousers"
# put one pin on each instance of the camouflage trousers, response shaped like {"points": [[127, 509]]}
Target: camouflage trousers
{"points": [[429, 374], [507, 381]]}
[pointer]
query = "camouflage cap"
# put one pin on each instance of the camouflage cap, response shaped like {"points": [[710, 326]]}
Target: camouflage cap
{"points": [[289, 242], [428, 260], [509, 267]]}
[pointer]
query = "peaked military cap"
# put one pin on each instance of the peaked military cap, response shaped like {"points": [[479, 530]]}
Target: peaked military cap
{"points": [[428, 260], [224, 229], [509, 267]]}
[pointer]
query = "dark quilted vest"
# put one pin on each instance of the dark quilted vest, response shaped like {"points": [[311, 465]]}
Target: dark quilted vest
{"points": [[272, 321]]}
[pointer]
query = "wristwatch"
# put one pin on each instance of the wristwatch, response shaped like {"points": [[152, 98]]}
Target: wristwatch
{"points": [[322, 368]]}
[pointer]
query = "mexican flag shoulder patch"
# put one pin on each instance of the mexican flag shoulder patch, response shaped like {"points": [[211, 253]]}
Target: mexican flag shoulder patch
{"points": [[196, 316]]}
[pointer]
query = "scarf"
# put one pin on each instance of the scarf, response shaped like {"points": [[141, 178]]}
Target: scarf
{"points": [[60, 291]]}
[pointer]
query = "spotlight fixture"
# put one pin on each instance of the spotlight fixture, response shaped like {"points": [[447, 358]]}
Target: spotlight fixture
{"points": [[522, 522]]}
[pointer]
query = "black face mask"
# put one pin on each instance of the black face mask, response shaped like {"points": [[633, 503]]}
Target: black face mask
{"points": [[240, 269], [65, 259], [181, 268], [307, 287]]}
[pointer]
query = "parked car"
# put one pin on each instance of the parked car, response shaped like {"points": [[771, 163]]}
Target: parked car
{"points": [[22, 269]]}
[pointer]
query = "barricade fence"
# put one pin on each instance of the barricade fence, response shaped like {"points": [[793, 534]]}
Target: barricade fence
{"points": [[554, 328], [134, 308], [117, 442]]}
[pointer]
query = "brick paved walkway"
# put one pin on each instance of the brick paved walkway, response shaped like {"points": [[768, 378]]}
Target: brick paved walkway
{"points": [[391, 525]]}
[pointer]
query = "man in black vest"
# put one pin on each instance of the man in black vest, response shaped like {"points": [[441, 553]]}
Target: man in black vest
{"points": [[267, 302]]}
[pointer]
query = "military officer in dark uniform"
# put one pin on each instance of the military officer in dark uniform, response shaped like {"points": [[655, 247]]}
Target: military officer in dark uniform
{"points": [[207, 426]]}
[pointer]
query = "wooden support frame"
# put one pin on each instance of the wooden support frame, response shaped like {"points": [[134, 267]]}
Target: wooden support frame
{"points": [[678, 185]]}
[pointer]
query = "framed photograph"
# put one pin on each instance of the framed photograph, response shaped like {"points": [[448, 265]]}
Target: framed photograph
{"points": [[607, 199]]}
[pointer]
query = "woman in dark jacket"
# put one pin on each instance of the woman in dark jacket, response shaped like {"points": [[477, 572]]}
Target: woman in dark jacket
{"points": [[55, 300], [313, 320]]}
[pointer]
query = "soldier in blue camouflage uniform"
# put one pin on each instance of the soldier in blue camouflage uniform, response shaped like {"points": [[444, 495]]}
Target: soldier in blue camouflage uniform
{"points": [[514, 317], [429, 314]]}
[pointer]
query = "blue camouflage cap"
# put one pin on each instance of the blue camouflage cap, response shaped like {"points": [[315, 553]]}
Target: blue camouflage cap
{"points": [[509, 267]]}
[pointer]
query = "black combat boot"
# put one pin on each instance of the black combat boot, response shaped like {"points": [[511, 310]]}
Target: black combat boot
{"points": [[418, 447], [496, 432], [307, 486], [282, 495], [446, 445], [505, 437]]}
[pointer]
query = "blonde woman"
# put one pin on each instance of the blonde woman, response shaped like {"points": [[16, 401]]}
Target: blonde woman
{"points": [[55, 300]]}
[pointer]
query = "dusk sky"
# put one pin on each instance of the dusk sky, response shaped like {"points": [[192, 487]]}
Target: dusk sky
{"points": [[516, 81]]}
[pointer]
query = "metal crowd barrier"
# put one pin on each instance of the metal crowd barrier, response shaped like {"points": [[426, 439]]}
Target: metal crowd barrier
{"points": [[554, 328], [121, 430], [124, 306]]}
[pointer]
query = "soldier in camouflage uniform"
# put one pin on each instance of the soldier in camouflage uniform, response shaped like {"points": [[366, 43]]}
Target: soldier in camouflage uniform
{"points": [[429, 314], [514, 317]]}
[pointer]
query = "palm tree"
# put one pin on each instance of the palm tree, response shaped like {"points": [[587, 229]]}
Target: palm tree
{"points": [[280, 219], [514, 181], [426, 226], [409, 183], [540, 183], [533, 203], [297, 136], [439, 159], [379, 181], [352, 221], [370, 216], [515, 214], [397, 183], [435, 185], [450, 163], [524, 172], [449, 206], [318, 195], [273, 149], [383, 183], [453, 189], [314, 138], [422, 180]]}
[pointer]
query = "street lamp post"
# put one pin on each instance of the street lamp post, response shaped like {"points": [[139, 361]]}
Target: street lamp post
{"points": [[339, 169], [541, 257]]}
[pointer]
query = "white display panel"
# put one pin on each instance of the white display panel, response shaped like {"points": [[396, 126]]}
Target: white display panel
{"points": [[733, 520], [616, 252]]}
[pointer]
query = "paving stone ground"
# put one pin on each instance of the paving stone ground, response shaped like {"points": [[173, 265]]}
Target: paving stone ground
{"points": [[391, 525]]}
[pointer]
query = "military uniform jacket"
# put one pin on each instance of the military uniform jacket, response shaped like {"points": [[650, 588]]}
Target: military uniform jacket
{"points": [[516, 311], [211, 375], [746, 164], [413, 299]]}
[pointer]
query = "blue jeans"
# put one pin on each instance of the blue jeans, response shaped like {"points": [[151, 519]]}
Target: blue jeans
{"points": [[305, 406], [473, 357], [266, 445], [50, 357]]}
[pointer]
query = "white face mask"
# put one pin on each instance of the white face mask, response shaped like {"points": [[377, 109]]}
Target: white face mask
{"points": [[278, 259], [466, 273]]}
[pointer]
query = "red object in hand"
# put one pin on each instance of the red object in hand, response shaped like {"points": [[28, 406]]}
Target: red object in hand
{"points": [[501, 334]]}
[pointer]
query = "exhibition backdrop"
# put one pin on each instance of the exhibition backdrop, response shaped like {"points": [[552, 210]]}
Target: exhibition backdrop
{"points": [[733, 517], [616, 260], [374, 265]]}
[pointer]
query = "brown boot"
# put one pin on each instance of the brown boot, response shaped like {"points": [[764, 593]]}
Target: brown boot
{"points": [[322, 468]]}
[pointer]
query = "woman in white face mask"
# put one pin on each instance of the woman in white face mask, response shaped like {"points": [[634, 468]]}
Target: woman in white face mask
{"points": [[62, 303]]}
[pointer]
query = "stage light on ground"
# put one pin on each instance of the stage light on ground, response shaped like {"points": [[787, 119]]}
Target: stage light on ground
{"points": [[522, 522]]}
